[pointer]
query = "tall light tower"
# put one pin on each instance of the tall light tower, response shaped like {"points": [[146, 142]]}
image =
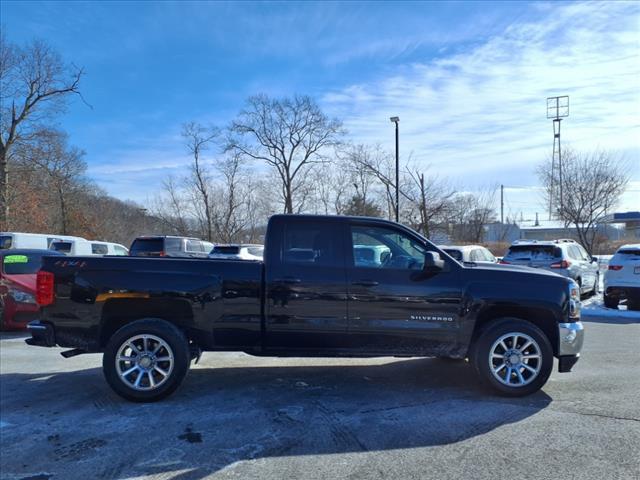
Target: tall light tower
{"points": [[396, 120], [557, 109]]}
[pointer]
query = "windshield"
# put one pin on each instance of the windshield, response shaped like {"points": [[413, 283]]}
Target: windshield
{"points": [[226, 250], [533, 252], [147, 246]]}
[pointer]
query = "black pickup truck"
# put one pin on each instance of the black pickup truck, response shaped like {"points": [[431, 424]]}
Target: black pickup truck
{"points": [[328, 286]]}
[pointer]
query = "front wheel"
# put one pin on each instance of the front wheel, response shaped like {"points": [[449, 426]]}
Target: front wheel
{"points": [[146, 360], [513, 357]]}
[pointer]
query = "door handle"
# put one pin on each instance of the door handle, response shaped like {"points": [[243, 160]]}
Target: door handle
{"points": [[288, 280], [366, 283]]}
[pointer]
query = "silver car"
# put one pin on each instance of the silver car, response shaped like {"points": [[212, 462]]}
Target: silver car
{"points": [[565, 257]]}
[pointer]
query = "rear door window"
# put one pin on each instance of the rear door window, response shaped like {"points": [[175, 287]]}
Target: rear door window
{"points": [[194, 246], [99, 249], [309, 243], [62, 247], [173, 245]]}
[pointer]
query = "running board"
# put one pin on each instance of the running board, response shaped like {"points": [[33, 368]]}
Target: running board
{"points": [[72, 353]]}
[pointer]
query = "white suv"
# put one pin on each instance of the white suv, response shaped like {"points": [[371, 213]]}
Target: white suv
{"points": [[237, 252], [622, 279]]}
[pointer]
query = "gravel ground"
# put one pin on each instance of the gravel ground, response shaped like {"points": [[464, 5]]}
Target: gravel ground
{"points": [[243, 417]]}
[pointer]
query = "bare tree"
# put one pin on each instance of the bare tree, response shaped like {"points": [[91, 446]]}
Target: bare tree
{"points": [[593, 183], [431, 196], [65, 167], [372, 162], [199, 139], [290, 135], [170, 208], [471, 212], [34, 86]]}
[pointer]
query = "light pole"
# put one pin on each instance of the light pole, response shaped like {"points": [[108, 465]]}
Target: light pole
{"points": [[396, 120]]}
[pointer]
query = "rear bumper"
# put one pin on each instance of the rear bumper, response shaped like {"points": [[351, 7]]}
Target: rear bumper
{"points": [[622, 292], [42, 334]]}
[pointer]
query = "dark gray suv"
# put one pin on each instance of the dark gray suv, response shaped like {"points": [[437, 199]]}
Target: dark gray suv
{"points": [[565, 257]]}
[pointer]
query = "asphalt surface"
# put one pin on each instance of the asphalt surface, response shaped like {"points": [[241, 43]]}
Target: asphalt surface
{"points": [[241, 417]]}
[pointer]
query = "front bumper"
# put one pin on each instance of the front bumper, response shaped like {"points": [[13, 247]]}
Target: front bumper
{"points": [[42, 334], [570, 340]]}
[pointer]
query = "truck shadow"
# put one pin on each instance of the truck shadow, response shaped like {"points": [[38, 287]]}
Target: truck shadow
{"points": [[222, 416]]}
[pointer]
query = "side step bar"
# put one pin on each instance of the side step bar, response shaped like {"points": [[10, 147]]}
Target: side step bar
{"points": [[72, 353]]}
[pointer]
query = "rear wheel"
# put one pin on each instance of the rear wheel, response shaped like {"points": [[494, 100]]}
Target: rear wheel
{"points": [[513, 357], [610, 302], [146, 360]]}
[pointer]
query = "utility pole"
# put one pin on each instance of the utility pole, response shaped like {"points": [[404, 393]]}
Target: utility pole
{"points": [[502, 204], [557, 109], [396, 120]]}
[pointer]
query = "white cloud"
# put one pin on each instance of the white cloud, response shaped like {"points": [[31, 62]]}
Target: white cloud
{"points": [[479, 116]]}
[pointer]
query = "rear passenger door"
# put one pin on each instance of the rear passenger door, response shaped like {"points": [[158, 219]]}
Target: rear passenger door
{"points": [[305, 279]]}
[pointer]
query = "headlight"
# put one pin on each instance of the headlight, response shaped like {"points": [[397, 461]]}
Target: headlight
{"points": [[22, 297]]}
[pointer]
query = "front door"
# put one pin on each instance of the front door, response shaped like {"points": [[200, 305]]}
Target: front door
{"points": [[306, 302], [394, 306]]}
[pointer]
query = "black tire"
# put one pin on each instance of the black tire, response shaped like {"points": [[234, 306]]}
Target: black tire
{"points": [[480, 357], [610, 302], [175, 348]]}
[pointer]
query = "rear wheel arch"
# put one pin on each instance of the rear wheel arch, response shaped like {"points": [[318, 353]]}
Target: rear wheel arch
{"points": [[117, 313]]}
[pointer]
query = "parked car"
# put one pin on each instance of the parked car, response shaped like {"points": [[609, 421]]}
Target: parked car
{"points": [[81, 247], [622, 278], [237, 252], [469, 253], [18, 269], [565, 257], [169, 246], [39, 241], [150, 317]]}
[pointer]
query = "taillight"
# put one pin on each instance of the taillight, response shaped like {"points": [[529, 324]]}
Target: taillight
{"points": [[44, 288], [615, 267], [562, 264]]}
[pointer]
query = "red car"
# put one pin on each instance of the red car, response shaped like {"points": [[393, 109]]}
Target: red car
{"points": [[18, 286]]}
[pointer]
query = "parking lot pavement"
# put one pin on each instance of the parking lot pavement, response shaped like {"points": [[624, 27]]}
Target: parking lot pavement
{"points": [[243, 417]]}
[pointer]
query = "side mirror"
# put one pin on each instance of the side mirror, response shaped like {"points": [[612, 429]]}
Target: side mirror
{"points": [[594, 259], [433, 262]]}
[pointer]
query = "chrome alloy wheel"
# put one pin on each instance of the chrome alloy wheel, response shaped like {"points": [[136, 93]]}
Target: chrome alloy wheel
{"points": [[515, 359], [144, 362]]}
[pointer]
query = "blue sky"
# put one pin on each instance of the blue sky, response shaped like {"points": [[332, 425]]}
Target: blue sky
{"points": [[468, 79]]}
